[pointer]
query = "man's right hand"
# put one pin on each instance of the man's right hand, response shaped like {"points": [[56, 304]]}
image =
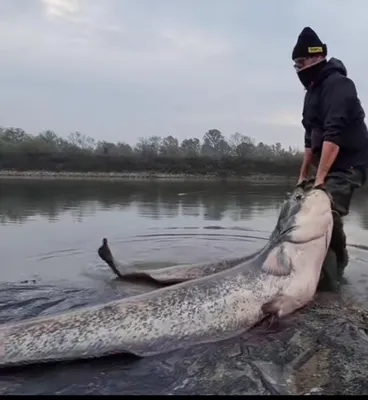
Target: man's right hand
{"points": [[303, 182]]}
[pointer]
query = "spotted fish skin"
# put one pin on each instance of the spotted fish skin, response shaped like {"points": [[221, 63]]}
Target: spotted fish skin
{"points": [[283, 276]]}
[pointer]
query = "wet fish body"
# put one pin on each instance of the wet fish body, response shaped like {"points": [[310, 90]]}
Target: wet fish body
{"points": [[279, 279]]}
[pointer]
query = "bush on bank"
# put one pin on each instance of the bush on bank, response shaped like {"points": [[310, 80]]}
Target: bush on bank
{"points": [[214, 155]]}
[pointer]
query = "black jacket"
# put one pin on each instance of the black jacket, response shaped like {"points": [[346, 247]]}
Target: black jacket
{"points": [[332, 112]]}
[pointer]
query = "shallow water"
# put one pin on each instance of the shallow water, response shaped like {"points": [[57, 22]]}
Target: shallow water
{"points": [[50, 232]]}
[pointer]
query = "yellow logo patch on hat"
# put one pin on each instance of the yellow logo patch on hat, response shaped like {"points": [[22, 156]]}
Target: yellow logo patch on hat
{"points": [[313, 50]]}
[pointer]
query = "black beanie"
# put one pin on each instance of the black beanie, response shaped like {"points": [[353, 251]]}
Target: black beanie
{"points": [[308, 45]]}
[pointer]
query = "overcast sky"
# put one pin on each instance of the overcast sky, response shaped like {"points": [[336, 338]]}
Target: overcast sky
{"points": [[120, 69]]}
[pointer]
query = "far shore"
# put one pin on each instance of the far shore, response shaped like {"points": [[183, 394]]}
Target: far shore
{"points": [[143, 176]]}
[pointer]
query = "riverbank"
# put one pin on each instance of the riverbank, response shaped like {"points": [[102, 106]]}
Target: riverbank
{"points": [[143, 176]]}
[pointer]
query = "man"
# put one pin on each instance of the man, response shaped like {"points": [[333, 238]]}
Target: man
{"points": [[336, 138]]}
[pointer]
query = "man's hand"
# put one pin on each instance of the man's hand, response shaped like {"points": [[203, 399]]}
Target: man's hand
{"points": [[321, 187], [303, 183], [318, 183], [324, 189]]}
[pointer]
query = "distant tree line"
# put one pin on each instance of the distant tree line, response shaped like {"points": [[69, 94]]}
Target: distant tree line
{"points": [[240, 155]]}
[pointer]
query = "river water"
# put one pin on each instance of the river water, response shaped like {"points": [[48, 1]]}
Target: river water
{"points": [[50, 232]]}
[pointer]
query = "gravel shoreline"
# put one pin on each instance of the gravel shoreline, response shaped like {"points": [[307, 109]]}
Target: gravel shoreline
{"points": [[140, 176]]}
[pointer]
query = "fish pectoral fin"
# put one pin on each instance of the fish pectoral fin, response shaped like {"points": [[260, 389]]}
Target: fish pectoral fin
{"points": [[281, 306], [277, 263]]}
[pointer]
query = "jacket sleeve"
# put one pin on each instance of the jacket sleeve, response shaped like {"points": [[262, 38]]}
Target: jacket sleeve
{"points": [[337, 98], [307, 132]]}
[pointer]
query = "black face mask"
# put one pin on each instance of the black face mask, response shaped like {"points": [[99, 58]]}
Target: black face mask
{"points": [[309, 75]]}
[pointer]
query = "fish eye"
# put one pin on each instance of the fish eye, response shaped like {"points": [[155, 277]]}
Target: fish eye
{"points": [[299, 196]]}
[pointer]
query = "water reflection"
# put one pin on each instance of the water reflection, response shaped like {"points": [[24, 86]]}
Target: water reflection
{"points": [[23, 200], [148, 223]]}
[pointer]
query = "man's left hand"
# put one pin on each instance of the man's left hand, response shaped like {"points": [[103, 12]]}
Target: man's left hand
{"points": [[320, 186], [318, 183]]}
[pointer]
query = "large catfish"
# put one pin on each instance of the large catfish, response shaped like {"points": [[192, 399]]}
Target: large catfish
{"points": [[278, 280]]}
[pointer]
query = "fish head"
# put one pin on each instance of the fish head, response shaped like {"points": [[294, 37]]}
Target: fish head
{"points": [[304, 216], [289, 209], [312, 218], [316, 203], [302, 241]]}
